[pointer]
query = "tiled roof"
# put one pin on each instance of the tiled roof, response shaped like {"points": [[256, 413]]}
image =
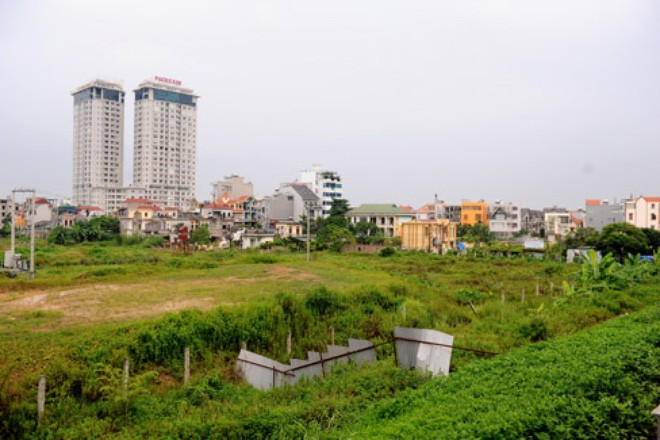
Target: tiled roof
{"points": [[305, 193], [140, 201], [149, 208], [426, 209], [89, 208], [383, 208], [593, 202], [652, 199]]}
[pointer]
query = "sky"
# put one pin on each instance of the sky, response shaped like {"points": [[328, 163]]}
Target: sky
{"points": [[539, 103]]}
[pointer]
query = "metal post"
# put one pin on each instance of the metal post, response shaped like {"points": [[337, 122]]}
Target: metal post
{"points": [[32, 221], [41, 399], [656, 413], [186, 365]]}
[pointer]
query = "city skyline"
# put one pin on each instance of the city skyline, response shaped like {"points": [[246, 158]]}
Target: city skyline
{"points": [[544, 104]]}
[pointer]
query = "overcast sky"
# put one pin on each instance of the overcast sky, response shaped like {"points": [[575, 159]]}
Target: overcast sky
{"points": [[535, 102]]}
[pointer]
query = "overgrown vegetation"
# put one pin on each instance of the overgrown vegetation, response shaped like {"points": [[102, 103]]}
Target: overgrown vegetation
{"points": [[358, 295], [601, 383]]}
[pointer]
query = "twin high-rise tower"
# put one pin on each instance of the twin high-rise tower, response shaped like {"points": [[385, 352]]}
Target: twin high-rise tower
{"points": [[165, 139]]}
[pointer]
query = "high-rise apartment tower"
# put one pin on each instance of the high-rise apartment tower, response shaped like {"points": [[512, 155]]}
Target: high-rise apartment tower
{"points": [[165, 141], [98, 141]]}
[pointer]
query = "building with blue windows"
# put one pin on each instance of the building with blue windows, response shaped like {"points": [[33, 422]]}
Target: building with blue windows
{"points": [[327, 185], [98, 142], [165, 141]]}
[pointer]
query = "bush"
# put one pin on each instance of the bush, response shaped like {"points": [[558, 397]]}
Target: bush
{"points": [[387, 251]]}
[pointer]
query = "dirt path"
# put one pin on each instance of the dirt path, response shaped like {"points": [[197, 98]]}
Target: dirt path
{"points": [[108, 302]]}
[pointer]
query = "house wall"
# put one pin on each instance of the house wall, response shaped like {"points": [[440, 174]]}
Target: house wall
{"points": [[473, 213]]}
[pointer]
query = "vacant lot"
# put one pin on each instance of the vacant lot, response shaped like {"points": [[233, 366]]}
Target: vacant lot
{"points": [[92, 305]]}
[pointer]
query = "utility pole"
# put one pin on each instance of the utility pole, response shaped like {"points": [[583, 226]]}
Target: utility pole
{"points": [[13, 226], [33, 216], [309, 214]]}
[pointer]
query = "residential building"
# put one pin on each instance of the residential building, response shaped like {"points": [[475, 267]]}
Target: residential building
{"points": [[165, 141], [5, 208], [473, 213], [504, 220], [387, 217], [98, 141], [436, 236], [600, 213], [285, 229], [449, 212], [291, 202], [532, 221], [558, 223], [325, 184], [232, 187], [643, 212]]}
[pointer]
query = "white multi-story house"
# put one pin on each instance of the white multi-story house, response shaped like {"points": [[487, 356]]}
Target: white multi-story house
{"points": [[327, 185], [165, 141], [98, 141], [643, 212], [505, 219], [559, 223]]}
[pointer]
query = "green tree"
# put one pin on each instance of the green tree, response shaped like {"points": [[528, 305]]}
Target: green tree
{"points": [[107, 225], [60, 235], [5, 228], [582, 237], [339, 207], [653, 238], [201, 235], [621, 239], [337, 237], [479, 233], [367, 232]]}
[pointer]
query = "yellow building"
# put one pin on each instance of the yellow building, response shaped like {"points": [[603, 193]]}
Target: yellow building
{"points": [[437, 236], [474, 212]]}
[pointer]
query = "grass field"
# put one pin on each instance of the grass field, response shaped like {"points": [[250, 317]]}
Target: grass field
{"points": [[92, 305]]}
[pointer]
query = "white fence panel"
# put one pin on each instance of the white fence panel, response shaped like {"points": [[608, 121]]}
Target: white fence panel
{"points": [[413, 352]]}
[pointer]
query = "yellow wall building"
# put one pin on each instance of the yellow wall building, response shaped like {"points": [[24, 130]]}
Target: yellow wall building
{"points": [[437, 236], [474, 212]]}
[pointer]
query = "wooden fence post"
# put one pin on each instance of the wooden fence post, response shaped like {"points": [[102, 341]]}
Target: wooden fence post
{"points": [[522, 295], [41, 399], [186, 365], [332, 336], [125, 387], [537, 289], [288, 342]]}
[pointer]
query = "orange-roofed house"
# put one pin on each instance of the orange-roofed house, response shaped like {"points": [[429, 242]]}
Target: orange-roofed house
{"points": [[643, 212], [473, 213]]}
